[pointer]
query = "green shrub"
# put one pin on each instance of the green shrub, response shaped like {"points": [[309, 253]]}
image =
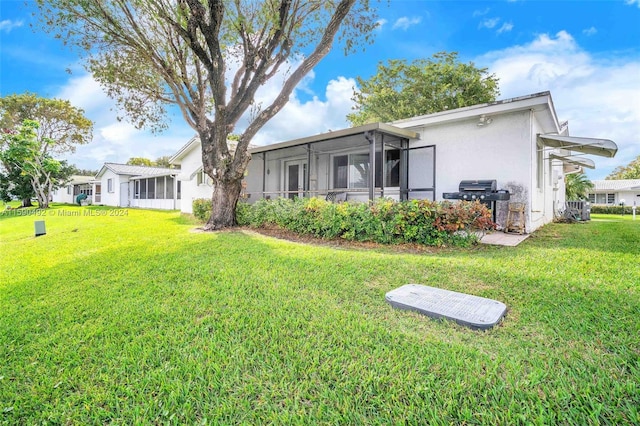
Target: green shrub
{"points": [[202, 209], [601, 209], [383, 221]]}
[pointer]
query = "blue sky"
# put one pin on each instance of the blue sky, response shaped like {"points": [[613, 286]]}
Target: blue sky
{"points": [[586, 53]]}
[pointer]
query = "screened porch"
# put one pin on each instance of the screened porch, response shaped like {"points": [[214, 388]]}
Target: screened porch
{"points": [[340, 163]]}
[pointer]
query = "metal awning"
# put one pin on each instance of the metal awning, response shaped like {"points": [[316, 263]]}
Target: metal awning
{"points": [[571, 159], [595, 146]]}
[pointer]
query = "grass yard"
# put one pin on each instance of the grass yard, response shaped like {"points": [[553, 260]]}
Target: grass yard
{"points": [[127, 317]]}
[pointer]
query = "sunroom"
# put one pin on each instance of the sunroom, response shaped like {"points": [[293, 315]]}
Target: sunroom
{"points": [[337, 165]]}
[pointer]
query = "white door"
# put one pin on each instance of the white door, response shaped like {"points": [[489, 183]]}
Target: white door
{"points": [[295, 179], [124, 194]]}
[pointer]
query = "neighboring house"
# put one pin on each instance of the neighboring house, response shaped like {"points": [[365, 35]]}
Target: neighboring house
{"points": [[518, 142], [76, 186], [195, 182], [614, 192], [123, 185]]}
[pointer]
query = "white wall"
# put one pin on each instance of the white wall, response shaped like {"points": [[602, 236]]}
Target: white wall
{"points": [[112, 198], [504, 150], [191, 190], [63, 195]]}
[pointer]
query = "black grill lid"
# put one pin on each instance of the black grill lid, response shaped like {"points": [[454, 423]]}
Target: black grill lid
{"points": [[478, 185]]}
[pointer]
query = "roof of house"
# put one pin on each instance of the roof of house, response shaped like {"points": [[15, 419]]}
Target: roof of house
{"points": [[380, 127], [80, 179], [617, 185], [141, 171], [191, 145], [540, 103]]}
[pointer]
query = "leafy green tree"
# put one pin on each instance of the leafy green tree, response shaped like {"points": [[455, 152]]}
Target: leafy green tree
{"points": [[209, 59], [577, 186], [61, 125], [402, 90], [163, 162], [140, 161], [15, 184], [630, 171], [22, 151]]}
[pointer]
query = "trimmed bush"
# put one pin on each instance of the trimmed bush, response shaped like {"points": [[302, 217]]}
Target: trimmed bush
{"points": [[202, 209], [601, 209], [383, 221]]}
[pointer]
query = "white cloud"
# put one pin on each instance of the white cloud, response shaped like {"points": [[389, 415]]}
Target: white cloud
{"points": [[599, 98], [404, 23], [7, 25], [590, 31], [305, 114], [632, 2], [489, 23], [299, 119], [505, 28], [482, 12], [381, 23]]}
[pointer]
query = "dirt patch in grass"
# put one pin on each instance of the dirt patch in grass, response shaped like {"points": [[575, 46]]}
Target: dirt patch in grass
{"points": [[340, 243]]}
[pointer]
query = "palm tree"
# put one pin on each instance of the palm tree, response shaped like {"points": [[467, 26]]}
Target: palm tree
{"points": [[577, 186]]}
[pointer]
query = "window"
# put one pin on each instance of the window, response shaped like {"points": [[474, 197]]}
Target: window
{"points": [[392, 168], [151, 188], [359, 171], [69, 189], [136, 189], [169, 188], [340, 171], [352, 170], [602, 198], [178, 189], [160, 188], [109, 185], [539, 166]]}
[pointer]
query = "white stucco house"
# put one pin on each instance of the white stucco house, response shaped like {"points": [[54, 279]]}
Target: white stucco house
{"points": [[195, 182], [76, 186], [614, 192], [123, 185], [520, 143]]}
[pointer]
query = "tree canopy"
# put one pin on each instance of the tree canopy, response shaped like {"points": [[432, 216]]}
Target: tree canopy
{"points": [[140, 161], [35, 130], [23, 156], [577, 186], [402, 90], [61, 125], [630, 171], [209, 59]]}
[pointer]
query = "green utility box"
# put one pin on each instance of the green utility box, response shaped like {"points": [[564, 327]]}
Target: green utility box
{"points": [[40, 228]]}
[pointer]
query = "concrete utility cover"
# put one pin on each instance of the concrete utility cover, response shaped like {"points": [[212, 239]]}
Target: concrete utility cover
{"points": [[465, 309]]}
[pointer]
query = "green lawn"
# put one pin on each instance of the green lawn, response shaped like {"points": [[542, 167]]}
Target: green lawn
{"points": [[133, 319]]}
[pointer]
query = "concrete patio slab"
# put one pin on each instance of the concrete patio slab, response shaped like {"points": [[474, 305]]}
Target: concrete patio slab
{"points": [[502, 239]]}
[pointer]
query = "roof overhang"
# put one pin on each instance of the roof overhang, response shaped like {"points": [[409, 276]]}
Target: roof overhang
{"points": [[576, 161], [594, 146], [372, 127]]}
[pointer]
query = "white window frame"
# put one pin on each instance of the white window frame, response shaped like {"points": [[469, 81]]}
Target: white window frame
{"points": [[349, 164], [110, 185]]}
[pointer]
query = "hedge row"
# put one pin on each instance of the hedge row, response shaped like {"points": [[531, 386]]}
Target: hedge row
{"points": [[383, 221], [600, 209]]}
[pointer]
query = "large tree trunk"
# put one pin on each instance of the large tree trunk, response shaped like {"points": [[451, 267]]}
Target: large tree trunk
{"points": [[223, 204], [26, 202]]}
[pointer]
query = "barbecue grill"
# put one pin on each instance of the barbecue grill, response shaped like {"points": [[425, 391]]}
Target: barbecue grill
{"points": [[484, 191]]}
